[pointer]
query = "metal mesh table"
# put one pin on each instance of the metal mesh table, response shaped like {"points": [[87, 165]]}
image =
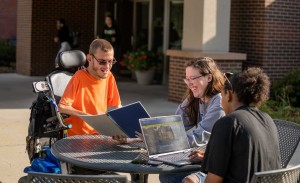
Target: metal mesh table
{"points": [[103, 153]]}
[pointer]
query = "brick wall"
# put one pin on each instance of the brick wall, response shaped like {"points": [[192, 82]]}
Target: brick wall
{"points": [[23, 49], [8, 18], [281, 37], [36, 33], [268, 32], [176, 86]]}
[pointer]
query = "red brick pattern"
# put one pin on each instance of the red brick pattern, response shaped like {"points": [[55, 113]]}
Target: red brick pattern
{"points": [[23, 49], [8, 18], [268, 32], [176, 86], [37, 28]]}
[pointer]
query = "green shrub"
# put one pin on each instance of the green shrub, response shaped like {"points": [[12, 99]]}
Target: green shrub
{"points": [[287, 90], [284, 102], [278, 110], [7, 52]]}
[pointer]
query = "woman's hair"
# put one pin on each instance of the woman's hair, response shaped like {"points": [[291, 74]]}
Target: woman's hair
{"points": [[104, 45], [205, 66], [252, 86]]}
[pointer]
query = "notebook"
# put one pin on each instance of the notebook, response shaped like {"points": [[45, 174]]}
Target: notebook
{"points": [[122, 121], [166, 140]]}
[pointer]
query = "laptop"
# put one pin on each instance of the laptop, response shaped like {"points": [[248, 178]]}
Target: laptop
{"points": [[166, 139]]}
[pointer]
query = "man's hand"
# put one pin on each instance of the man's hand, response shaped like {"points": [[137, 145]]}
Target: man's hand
{"points": [[113, 39], [139, 136], [56, 39], [196, 156], [124, 140]]}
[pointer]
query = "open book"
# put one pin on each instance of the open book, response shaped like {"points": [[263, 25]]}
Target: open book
{"points": [[122, 121]]}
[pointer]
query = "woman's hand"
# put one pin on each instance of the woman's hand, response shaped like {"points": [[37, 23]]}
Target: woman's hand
{"points": [[196, 156]]}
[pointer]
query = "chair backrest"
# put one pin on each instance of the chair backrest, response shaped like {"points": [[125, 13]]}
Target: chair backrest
{"points": [[289, 137], [69, 62], [39, 177], [285, 175]]}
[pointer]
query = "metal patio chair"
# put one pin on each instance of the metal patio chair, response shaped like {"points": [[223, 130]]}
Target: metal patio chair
{"points": [[289, 137], [38, 177], [285, 175]]}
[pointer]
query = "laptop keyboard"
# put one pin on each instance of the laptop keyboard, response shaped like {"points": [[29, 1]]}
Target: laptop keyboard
{"points": [[182, 156]]}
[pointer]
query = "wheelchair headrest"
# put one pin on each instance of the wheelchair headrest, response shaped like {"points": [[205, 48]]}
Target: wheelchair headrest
{"points": [[71, 59]]}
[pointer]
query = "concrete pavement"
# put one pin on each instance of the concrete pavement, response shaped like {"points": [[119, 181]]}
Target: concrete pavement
{"points": [[16, 97]]}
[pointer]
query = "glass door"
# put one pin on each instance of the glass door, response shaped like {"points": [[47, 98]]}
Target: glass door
{"points": [[175, 24], [173, 27], [141, 25]]}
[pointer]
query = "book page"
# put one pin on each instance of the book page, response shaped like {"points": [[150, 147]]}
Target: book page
{"points": [[103, 124], [127, 117]]}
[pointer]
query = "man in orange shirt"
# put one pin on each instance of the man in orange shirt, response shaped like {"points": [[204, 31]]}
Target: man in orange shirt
{"points": [[91, 90]]}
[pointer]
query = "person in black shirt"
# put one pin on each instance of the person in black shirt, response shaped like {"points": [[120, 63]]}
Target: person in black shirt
{"points": [[63, 36], [110, 32], [245, 141]]}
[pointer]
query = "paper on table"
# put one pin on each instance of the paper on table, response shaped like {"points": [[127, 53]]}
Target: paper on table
{"points": [[103, 124]]}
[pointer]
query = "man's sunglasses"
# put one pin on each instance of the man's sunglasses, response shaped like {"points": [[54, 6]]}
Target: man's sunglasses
{"points": [[104, 62]]}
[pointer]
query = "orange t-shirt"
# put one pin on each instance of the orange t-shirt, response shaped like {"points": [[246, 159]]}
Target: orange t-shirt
{"points": [[91, 96]]}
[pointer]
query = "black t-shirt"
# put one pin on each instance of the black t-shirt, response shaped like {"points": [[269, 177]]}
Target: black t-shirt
{"points": [[242, 143], [111, 32], [64, 34]]}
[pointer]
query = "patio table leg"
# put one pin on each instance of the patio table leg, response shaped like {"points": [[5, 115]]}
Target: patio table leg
{"points": [[139, 178]]}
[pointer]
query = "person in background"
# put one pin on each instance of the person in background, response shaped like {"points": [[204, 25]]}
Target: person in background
{"points": [[62, 37], [202, 106], [91, 90], [243, 142], [173, 37], [111, 33]]}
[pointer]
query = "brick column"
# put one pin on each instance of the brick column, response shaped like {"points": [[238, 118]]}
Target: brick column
{"points": [[36, 28]]}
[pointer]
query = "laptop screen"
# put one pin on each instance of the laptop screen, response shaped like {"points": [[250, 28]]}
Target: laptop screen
{"points": [[164, 134]]}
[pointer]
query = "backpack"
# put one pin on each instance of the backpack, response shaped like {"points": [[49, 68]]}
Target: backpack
{"points": [[41, 123], [46, 163]]}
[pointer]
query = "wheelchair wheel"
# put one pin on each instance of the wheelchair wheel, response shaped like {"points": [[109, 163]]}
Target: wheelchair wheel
{"points": [[23, 179]]}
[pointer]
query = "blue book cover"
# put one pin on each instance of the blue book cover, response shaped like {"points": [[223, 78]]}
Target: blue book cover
{"points": [[127, 117]]}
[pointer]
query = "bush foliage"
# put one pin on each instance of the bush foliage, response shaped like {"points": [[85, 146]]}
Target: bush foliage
{"points": [[141, 60], [287, 90], [284, 102], [7, 52], [279, 110]]}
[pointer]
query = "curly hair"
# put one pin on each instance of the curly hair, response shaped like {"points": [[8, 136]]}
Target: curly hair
{"points": [[252, 86], [206, 66]]}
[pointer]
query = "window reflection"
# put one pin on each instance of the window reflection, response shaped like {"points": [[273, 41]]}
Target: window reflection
{"points": [[176, 24]]}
